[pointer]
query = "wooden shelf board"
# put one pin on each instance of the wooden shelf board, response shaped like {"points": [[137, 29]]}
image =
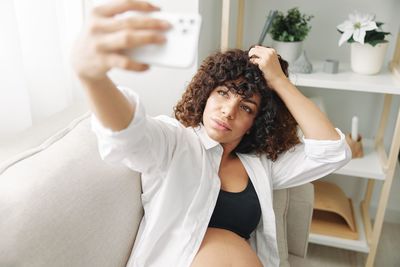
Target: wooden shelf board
{"points": [[384, 82], [359, 245], [369, 166]]}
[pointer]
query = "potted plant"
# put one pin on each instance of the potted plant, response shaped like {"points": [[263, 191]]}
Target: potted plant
{"points": [[367, 40], [288, 32]]}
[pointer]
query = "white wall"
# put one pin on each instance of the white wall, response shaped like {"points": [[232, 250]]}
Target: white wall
{"points": [[210, 36], [321, 44]]}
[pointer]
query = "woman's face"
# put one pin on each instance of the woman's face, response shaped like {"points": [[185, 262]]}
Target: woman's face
{"points": [[228, 117]]}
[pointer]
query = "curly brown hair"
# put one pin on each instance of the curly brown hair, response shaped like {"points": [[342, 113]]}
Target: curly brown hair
{"points": [[274, 130]]}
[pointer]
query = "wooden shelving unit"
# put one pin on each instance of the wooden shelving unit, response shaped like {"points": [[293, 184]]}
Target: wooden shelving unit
{"points": [[376, 163]]}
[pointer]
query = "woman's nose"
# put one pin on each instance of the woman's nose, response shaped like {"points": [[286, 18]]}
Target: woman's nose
{"points": [[229, 109]]}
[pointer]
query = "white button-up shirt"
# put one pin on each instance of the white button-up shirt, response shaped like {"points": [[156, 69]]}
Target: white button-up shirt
{"points": [[180, 183]]}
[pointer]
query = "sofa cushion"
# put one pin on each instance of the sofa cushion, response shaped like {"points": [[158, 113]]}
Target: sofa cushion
{"points": [[301, 202], [293, 212], [281, 205], [61, 205]]}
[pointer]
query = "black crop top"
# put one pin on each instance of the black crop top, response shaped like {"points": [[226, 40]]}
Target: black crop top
{"points": [[238, 212]]}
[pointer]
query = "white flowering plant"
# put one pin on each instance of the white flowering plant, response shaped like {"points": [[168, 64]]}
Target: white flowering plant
{"points": [[362, 28]]}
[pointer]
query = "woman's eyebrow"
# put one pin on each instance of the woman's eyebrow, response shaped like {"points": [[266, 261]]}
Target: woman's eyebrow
{"points": [[250, 101]]}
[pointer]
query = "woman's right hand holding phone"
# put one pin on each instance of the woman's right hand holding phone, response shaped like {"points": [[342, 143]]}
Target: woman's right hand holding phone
{"points": [[102, 46], [104, 39]]}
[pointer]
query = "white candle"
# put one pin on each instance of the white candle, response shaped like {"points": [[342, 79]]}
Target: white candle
{"points": [[354, 128]]}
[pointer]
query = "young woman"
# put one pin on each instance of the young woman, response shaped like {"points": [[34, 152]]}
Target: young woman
{"points": [[208, 174]]}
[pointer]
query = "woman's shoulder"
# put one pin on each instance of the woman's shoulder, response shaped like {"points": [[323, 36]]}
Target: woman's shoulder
{"points": [[168, 120]]}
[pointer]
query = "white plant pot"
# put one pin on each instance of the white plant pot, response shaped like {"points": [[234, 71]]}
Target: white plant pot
{"points": [[367, 59], [289, 51]]}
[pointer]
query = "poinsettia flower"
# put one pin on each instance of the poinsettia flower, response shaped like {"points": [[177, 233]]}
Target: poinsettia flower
{"points": [[356, 27]]}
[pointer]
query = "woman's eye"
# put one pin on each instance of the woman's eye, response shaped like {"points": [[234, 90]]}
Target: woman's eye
{"points": [[221, 92], [247, 109]]}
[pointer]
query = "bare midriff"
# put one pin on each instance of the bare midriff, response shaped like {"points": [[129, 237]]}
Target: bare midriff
{"points": [[223, 248]]}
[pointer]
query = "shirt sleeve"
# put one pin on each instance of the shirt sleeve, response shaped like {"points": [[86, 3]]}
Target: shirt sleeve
{"points": [[308, 161], [146, 145]]}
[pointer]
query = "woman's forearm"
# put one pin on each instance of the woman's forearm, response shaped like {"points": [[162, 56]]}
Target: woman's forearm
{"points": [[312, 121], [108, 103]]}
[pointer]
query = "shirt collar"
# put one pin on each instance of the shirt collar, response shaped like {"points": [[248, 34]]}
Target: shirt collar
{"points": [[206, 140]]}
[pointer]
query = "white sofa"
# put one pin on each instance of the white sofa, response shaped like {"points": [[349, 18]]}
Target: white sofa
{"points": [[61, 205]]}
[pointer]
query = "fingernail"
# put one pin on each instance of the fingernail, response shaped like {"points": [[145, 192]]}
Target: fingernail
{"points": [[161, 38], [155, 7], [166, 24]]}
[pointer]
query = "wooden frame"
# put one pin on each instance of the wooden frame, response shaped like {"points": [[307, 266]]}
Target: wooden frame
{"points": [[226, 7], [225, 20], [395, 63]]}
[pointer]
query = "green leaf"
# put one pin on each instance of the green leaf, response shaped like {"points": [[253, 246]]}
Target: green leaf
{"points": [[292, 27], [374, 37], [375, 42]]}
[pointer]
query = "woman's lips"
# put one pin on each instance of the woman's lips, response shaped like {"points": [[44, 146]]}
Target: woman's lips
{"points": [[221, 125]]}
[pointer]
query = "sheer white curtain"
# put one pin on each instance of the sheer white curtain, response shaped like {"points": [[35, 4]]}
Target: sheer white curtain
{"points": [[35, 74]]}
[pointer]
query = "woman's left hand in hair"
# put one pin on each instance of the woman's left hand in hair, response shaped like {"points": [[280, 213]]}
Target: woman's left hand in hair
{"points": [[267, 60], [313, 122]]}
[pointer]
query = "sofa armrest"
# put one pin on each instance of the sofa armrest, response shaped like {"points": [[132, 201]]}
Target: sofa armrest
{"points": [[61, 205], [299, 218], [34, 136]]}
